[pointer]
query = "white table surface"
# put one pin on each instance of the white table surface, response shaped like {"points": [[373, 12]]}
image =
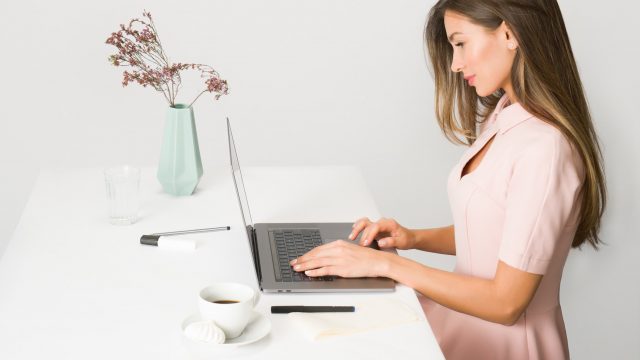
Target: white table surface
{"points": [[73, 286]]}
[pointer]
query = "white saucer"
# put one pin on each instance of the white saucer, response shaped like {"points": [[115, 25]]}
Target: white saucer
{"points": [[258, 327]]}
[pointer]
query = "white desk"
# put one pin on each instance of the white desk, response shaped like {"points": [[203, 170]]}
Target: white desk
{"points": [[72, 286]]}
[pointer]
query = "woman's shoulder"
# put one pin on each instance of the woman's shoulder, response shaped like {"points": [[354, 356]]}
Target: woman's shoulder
{"points": [[538, 135], [542, 142]]}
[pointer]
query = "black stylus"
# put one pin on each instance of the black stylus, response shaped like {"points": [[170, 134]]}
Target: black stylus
{"points": [[285, 309]]}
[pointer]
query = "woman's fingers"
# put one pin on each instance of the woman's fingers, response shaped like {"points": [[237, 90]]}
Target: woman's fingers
{"points": [[382, 227], [341, 258], [334, 258], [369, 234], [388, 224], [313, 263], [387, 242], [362, 220], [358, 226], [320, 259], [322, 250], [328, 270]]}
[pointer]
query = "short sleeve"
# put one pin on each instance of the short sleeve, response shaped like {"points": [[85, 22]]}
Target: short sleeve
{"points": [[541, 197]]}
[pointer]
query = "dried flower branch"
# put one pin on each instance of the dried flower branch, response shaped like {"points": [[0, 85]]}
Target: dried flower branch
{"points": [[139, 48]]}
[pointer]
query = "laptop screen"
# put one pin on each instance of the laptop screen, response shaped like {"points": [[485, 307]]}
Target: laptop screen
{"points": [[239, 184]]}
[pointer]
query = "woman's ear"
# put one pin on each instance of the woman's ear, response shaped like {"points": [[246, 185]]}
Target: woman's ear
{"points": [[507, 36]]}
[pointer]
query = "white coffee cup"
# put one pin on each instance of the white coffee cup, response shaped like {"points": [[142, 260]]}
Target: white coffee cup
{"points": [[229, 305]]}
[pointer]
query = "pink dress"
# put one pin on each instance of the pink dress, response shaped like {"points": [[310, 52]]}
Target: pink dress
{"points": [[520, 206]]}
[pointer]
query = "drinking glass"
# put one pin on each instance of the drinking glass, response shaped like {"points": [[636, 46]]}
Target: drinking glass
{"points": [[122, 194]]}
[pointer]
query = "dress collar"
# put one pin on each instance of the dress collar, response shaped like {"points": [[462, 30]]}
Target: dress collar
{"points": [[506, 116]]}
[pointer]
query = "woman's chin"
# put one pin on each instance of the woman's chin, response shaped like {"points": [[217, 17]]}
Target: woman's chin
{"points": [[482, 92]]}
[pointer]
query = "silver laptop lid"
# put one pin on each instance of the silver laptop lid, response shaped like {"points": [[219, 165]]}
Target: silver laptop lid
{"points": [[237, 180], [244, 204]]}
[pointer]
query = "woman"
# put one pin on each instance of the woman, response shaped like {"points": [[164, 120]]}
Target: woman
{"points": [[530, 186]]}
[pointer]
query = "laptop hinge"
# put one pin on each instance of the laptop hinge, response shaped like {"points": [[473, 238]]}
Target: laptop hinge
{"points": [[254, 252]]}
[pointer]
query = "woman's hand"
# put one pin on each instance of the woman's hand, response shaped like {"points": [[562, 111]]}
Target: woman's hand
{"points": [[343, 259], [388, 232]]}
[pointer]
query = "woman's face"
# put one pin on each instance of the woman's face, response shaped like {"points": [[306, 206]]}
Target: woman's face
{"points": [[484, 56]]}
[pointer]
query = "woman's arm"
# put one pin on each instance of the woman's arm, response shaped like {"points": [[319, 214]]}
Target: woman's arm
{"points": [[501, 299], [437, 240]]}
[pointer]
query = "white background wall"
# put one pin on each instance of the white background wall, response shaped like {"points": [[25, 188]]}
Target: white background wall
{"points": [[352, 74]]}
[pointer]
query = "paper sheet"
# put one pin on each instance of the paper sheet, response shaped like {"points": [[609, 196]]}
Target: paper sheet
{"points": [[369, 315]]}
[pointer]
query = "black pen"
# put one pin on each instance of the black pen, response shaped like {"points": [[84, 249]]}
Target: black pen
{"points": [[285, 309]]}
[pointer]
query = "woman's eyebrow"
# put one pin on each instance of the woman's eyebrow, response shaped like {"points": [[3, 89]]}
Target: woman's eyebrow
{"points": [[453, 34]]}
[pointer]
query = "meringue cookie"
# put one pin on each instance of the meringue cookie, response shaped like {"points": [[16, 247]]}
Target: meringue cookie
{"points": [[205, 331]]}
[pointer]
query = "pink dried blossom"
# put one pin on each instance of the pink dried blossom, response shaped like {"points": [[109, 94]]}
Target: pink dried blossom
{"points": [[139, 48]]}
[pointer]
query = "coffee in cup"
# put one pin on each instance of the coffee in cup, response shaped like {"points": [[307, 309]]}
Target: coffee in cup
{"points": [[229, 305], [226, 301]]}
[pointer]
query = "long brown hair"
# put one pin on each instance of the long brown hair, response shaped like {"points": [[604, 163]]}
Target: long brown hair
{"points": [[545, 81]]}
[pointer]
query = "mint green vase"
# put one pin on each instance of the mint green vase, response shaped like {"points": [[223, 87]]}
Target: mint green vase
{"points": [[180, 167]]}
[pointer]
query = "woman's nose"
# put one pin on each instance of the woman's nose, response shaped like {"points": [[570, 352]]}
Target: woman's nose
{"points": [[456, 64]]}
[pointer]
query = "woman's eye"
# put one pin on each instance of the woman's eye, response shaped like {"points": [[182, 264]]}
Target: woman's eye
{"points": [[459, 44]]}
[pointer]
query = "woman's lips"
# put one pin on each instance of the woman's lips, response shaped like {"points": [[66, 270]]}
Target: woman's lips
{"points": [[471, 80]]}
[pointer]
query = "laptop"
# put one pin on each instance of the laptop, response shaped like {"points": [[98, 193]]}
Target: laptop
{"points": [[274, 245]]}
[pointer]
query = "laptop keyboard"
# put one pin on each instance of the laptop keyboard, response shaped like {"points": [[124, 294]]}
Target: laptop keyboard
{"points": [[291, 244]]}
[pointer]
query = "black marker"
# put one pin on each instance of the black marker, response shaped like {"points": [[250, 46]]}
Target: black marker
{"points": [[285, 309]]}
